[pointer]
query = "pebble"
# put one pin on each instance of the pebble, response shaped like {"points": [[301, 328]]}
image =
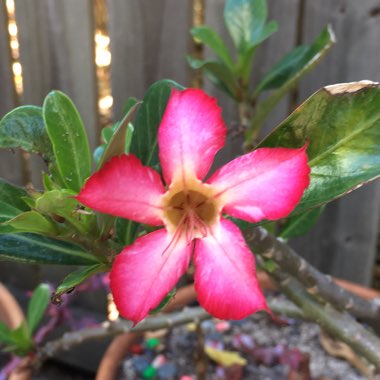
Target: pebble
{"points": [[167, 371], [140, 363]]}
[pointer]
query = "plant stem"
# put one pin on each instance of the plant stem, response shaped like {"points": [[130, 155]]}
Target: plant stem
{"points": [[339, 324], [316, 283], [108, 329]]}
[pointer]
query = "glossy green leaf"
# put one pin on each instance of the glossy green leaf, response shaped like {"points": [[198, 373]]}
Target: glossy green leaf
{"points": [[127, 106], [5, 334], [341, 123], [246, 23], [22, 340], [210, 38], [32, 248], [117, 142], [294, 64], [34, 222], [24, 128], [300, 224], [69, 139], [126, 231], [37, 306], [144, 141], [12, 195], [218, 73], [286, 74], [11, 204], [60, 203], [75, 278]]}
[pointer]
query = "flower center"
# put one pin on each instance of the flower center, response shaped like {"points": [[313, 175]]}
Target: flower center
{"points": [[190, 213]]}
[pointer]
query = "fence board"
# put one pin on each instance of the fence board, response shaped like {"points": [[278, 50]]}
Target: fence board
{"points": [[344, 242], [149, 41], [10, 163], [71, 30]]}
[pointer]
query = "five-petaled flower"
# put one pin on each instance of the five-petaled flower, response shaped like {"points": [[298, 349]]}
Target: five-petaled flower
{"points": [[264, 184]]}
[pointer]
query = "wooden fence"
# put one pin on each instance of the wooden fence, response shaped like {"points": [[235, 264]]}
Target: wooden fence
{"points": [[149, 40]]}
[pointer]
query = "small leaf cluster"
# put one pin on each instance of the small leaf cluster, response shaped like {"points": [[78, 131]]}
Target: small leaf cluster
{"points": [[246, 22], [19, 341]]}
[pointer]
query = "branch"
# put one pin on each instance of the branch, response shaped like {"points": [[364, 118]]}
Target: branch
{"points": [[109, 329], [316, 283], [339, 324]]}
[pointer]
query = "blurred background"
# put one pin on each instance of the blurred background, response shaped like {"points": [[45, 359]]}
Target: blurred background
{"points": [[101, 52]]}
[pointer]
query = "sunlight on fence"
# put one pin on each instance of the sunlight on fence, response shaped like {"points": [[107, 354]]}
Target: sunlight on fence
{"points": [[14, 45]]}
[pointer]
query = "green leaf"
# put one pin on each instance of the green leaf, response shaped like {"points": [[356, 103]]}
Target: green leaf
{"points": [[287, 72], [220, 74], [300, 224], [246, 23], [11, 204], [164, 302], [209, 37], [60, 203], [31, 248], [75, 278], [69, 139], [34, 222], [5, 334], [117, 143], [24, 128], [37, 306], [342, 125], [126, 231], [294, 64], [11, 195], [22, 340], [131, 101], [144, 141]]}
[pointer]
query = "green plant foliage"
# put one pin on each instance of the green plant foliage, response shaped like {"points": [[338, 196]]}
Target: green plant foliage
{"points": [[75, 278], [341, 123], [164, 302], [120, 138], [24, 128], [32, 221], [11, 204], [5, 334], [69, 139], [286, 73], [300, 224], [60, 203], [126, 231], [32, 248], [144, 141], [22, 343], [246, 21], [218, 73], [37, 306], [210, 38], [294, 64]]}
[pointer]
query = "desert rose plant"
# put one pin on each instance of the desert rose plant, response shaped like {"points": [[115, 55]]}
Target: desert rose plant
{"points": [[144, 207]]}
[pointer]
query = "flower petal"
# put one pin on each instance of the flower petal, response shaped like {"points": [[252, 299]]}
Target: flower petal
{"points": [[264, 184], [225, 275], [145, 272], [190, 134], [126, 188]]}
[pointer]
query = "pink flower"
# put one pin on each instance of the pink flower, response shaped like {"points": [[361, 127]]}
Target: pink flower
{"points": [[264, 184]]}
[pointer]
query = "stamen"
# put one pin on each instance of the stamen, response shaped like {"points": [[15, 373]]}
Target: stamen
{"points": [[177, 234], [200, 225]]}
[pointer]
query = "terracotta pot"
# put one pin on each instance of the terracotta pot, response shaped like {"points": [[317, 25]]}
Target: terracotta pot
{"points": [[12, 315], [120, 346]]}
